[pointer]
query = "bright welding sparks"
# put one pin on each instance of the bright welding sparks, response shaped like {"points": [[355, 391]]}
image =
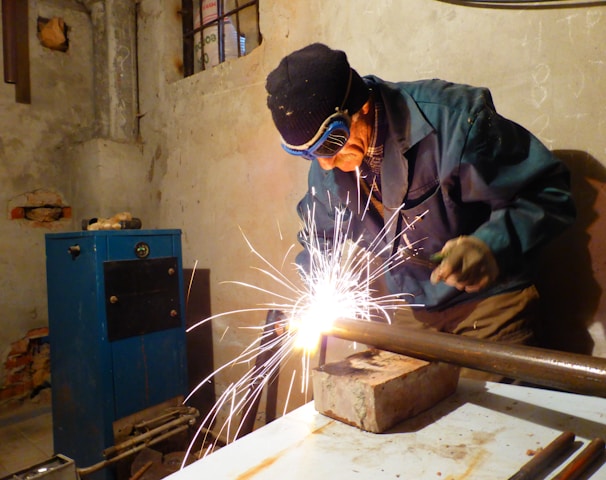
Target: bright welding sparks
{"points": [[317, 317], [339, 285], [336, 283]]}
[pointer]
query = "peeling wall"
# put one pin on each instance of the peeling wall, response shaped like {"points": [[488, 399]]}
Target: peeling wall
{"points": [[75, 142], [224, 173], [34, 140]]}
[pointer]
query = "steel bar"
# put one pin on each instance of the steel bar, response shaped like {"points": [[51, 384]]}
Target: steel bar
{"points": [[104, 463], [187, 419], [570, 372], [139, 473], [544, 457], [582, 461]]}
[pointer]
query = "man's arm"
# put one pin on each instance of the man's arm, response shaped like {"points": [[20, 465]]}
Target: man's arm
{"points": [[528, 190]]}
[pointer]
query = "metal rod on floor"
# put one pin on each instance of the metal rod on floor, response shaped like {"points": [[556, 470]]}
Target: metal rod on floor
{"points": [[105, 463], [570, 372], [188, 419]]}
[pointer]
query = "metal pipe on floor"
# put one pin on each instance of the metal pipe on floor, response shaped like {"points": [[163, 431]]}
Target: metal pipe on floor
{"points": [[105, 463], [571, 372], [186, 416]]}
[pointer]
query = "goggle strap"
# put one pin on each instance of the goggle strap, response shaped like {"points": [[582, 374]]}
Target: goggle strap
{"points": [[338, 114], [338, 111], [347, 91]]}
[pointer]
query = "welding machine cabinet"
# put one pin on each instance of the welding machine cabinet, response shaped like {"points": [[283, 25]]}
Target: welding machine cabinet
{"points": [[117, 333]]}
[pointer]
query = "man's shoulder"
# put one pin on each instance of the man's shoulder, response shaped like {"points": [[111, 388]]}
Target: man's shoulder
{"points": [[438, 92]]}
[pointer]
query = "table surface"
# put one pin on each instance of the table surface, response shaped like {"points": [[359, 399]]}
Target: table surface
{"points": [[483, 431]]}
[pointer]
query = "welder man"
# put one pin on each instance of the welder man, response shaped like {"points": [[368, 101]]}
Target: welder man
{"points": [[442, 171]]}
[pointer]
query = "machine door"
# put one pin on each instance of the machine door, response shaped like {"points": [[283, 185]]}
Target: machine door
{"points": [[141, 296], [145, 331]]}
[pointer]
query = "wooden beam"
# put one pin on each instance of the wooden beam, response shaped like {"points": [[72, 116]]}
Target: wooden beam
{"points": [[9, 9], [22, 88], [15, 38]]}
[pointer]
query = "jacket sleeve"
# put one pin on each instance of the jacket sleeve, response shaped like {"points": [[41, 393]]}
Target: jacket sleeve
{"points": [[525, 185]]}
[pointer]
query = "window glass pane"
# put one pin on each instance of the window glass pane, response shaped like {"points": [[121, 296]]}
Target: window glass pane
{"points": [[218, 30]]}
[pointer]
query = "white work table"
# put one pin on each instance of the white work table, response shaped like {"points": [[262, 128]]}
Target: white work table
{"points": [[483, 431]]}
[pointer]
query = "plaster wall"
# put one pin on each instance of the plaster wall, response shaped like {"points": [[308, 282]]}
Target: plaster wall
{"points": [[219, 172], [34, 140], [76, 141]]}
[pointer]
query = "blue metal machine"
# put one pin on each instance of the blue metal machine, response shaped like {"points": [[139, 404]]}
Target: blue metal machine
{"points": [[117, 333]]}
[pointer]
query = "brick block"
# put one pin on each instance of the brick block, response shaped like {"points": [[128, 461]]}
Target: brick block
{"points": [[17, 212], [39, 332], [10, 391], [22, 377], [15, 361], [19, 347], [374, 390], [15, 390]]}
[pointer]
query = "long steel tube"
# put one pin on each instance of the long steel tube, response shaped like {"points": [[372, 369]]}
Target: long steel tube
{"points": [[570, 372]]}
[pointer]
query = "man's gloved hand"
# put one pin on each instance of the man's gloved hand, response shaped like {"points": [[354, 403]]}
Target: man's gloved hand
{"points": [[467, 264]]}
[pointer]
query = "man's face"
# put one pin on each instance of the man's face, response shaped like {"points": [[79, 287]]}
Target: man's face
{"points": [[351, 155]]}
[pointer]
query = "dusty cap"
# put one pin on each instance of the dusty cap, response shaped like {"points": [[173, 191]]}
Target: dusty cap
{"points": [[308, 86]]}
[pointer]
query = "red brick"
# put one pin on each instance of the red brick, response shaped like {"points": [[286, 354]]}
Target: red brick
{"points": [[37, 332], [14, 361], [7, 392], [15, 390], [18, 376], [18, 347], [17, 212]]}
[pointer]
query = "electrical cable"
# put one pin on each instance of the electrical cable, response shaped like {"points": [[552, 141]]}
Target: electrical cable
{"points": [[526, 4]]}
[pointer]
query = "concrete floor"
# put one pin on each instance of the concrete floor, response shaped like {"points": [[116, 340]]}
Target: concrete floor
{"points": [[26, 437]]}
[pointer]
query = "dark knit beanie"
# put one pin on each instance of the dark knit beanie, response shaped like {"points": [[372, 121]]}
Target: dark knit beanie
{"points": [[307, 87]]}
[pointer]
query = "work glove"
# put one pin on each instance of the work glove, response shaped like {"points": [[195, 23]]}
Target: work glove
{"points": [[466, 264]]}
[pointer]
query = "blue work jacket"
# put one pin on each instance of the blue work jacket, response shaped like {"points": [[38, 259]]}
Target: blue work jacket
{"points": [[452, 166]]}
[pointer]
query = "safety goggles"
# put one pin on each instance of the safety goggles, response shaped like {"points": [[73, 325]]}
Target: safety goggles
{"points": [[330, 138]]}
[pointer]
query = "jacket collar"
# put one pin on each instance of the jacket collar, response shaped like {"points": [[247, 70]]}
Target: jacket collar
{"points": [[407, 127], [407, 124]]}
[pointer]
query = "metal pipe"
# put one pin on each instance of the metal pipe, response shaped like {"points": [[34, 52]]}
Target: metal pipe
{"points": [[105, 463], [187, 416], [172, 413], [187, 419], [535, 466], [582, 461], [570, 372]]}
